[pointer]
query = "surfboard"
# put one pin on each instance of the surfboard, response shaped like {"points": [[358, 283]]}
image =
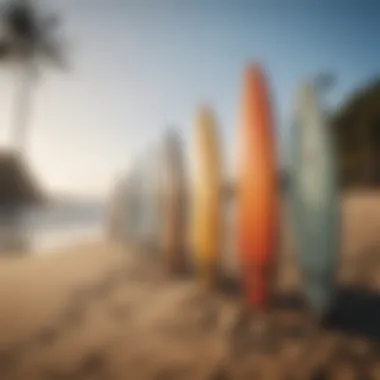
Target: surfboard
{"points": [[206, 223], [133, 208], [129, 210], [173, 203], [314, 198], [116, 205], [147, 170], [123, 217], [155, 197], [257, 190]]}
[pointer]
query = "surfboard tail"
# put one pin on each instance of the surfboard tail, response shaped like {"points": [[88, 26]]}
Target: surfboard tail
{"points": [[175, 261], [320, 295], [319, 300], [258, 293], [207, 271], [257, 284], [173, 252]]}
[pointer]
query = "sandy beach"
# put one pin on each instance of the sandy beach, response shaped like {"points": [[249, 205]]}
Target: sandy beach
{"points": [[103, 310]]}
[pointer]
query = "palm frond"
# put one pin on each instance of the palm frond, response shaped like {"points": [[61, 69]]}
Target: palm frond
{"points": [[20, 18], [30, 33], [50, 23], [54, 51]]}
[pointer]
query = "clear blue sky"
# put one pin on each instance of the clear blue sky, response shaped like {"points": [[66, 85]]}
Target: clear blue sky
{"points": [[139, 66]]}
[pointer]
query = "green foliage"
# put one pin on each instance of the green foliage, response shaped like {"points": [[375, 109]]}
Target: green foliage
{"points": [[17, 186], [356, 128]]}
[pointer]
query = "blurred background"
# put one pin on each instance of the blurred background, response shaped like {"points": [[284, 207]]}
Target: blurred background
{"points": [[88, 91], [125, 70]]}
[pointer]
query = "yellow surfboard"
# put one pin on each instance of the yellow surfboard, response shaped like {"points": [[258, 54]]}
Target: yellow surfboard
{"points": [[206, 219]]}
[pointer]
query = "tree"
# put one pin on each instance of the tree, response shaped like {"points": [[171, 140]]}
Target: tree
{"points": [[356, 126], [29, 38]]}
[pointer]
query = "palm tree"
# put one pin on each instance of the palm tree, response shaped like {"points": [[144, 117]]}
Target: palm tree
{"points": [[29, 38]]}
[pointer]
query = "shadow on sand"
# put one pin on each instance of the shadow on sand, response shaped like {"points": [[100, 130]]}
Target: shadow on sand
{"points": [[356, 311]]}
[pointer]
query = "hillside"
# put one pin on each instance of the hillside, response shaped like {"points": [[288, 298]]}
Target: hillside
{"points": [[357, 134], [17, 185]]}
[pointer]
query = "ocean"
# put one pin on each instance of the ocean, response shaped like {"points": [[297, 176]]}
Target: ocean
{"points": [[41, 229]]}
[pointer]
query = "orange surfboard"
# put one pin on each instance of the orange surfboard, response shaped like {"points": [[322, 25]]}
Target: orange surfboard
{"points": [[257, 202]]}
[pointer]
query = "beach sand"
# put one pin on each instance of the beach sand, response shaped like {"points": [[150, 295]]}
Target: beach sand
{"points": [[107, 311]]}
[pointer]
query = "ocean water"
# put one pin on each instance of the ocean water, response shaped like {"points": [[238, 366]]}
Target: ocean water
{"points": [[40, 229]]}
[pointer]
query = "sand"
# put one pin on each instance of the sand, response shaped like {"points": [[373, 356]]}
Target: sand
{"points": [[104, 310]]}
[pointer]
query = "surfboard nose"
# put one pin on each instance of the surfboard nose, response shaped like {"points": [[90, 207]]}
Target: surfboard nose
{"points": [[255, 80], [306, 100], [257, 102], [255, 71]]}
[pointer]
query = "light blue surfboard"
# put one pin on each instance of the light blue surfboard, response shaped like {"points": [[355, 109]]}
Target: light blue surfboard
{"points": [[314, 196]]}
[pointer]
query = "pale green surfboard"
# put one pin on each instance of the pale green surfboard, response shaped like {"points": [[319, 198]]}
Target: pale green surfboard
{"points": [[314, 199]]}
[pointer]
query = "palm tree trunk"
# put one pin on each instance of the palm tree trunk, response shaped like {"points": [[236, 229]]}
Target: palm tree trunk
{"points": [[26, 78]]}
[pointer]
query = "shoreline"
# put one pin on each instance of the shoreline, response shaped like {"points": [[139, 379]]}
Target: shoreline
{"points": [[48, 242]]}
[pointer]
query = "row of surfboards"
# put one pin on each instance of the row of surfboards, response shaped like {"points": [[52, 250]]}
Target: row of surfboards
{"points": [[154, 207]]}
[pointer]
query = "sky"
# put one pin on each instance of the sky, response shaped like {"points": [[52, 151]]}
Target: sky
{"points": [[138, 67]]}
